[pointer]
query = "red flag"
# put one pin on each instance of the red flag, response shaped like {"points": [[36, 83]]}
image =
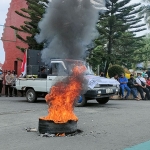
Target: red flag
{"points": [[24, 64]]}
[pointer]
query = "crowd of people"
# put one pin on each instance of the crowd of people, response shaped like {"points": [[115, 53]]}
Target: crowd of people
{"points": [[9, 80], [139, 83]]}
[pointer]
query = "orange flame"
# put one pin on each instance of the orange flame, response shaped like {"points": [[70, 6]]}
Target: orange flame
{"points": [[62, 97]]}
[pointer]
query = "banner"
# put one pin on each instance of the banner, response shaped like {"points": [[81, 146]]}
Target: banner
{"points": [[94, 80], [24, 64]]}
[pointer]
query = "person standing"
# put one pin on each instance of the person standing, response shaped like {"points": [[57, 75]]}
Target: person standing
{"points": [[102, 74], [8, 88], [142, 87], [123, 86], [143, 73], [1, 81], [148, 73], [14, 77], [133, 86]]}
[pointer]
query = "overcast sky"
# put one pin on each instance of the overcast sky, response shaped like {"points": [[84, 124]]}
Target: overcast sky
{"points": [[4, 5]]}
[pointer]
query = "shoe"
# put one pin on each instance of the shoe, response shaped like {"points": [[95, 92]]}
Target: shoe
{"points": [[138, 99], [125, 97], [10, 96], [6, 95]]}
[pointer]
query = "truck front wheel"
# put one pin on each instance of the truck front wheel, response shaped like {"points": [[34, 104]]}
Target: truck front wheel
{"points": [[31, 96], [102, 100], [81, 101]]}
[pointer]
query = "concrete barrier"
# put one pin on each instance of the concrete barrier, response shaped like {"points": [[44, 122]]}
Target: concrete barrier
{"points": [[129, 98]]}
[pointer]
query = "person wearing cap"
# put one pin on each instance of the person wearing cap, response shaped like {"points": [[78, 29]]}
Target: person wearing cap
{"points": [[8, 88], [133, 86], [1, 81], [142, 87], [123, 86]]}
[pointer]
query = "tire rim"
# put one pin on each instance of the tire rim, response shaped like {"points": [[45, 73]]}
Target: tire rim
{"points": [[80, 99], [30, 96]]}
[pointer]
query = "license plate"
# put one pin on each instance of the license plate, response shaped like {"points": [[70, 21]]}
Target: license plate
{"points": [[109, 90]]}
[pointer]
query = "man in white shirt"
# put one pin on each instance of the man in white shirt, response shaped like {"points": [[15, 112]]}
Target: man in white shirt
{"points": [[142, 87]]}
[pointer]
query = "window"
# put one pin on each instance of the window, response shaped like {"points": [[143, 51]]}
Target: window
{"points": [[57, 69]]}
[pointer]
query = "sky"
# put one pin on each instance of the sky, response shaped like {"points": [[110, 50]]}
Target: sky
{"points": [[4, 5]]}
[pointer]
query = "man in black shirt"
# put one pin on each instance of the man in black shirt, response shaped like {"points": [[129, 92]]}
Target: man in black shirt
{"points": [[42, 74], [132, 85]]}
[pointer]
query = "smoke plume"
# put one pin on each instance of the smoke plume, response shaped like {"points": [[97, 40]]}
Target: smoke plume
{"points": [[67, 27]]}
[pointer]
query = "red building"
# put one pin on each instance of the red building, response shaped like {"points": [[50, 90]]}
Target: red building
{"points": [[9, 37]]}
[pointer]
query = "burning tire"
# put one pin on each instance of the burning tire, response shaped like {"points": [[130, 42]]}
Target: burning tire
{"points": [[81, 101], [102, 100], [31, 96], [48, 126]]}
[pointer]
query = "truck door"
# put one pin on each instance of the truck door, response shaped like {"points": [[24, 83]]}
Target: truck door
{"points": [[57, 72]]}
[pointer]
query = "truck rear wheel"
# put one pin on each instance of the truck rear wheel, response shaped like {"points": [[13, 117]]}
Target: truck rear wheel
{"points": [[102, 100], [31, 96], [81, 101]]}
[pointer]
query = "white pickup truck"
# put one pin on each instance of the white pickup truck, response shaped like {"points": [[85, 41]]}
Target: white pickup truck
{"points": [[99, 88]]}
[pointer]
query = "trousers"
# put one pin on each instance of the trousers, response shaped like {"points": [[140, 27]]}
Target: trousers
{"points": [[8, 90], [125, 88], [142, 90], [134, 92]]}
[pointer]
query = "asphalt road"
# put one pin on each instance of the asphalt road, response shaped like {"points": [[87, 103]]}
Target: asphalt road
{"points": [[115, 126]]}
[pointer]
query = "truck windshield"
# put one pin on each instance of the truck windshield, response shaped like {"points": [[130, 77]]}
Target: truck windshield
{"points": [[71, 63]]}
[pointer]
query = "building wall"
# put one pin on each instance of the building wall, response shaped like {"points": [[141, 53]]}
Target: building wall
{"points": [[9, 37], [1, 65]]}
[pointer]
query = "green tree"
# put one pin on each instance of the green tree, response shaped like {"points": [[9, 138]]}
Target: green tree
{"points": [[115, 70], [117, 28], [32, 15], [146, 11], [142, 54]]}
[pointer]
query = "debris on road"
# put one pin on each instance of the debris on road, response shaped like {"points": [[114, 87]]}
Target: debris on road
{"points": [[31, 129]]}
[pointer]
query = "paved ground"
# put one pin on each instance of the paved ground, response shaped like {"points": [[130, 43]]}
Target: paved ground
{"points": [[117, 125]]}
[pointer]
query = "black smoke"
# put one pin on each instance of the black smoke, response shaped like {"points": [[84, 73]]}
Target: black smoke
{"points": [[67, 27]]}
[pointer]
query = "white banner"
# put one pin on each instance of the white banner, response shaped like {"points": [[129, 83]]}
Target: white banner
{"points": [[94, 80]]}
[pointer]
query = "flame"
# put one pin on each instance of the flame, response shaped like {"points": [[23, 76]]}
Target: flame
{"points": [[62, 97], [60, 134]]}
